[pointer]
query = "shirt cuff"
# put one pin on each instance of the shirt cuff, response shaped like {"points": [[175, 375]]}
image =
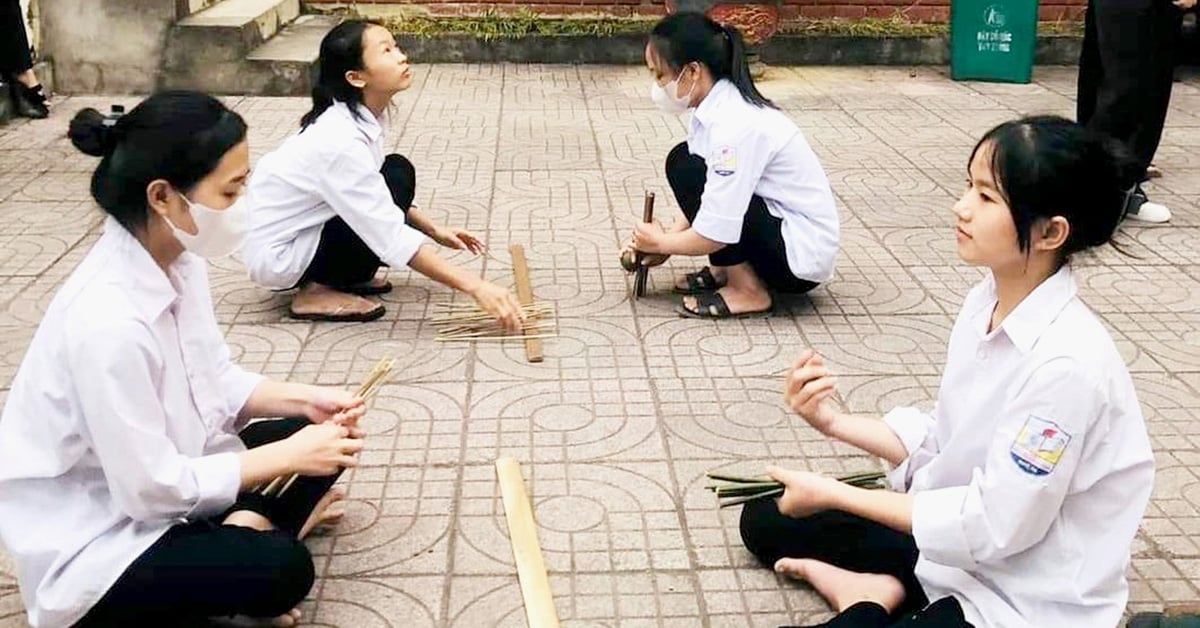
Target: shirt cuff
{"points": [[723, 229], [239, 385], [937, 527], [405, 244], [910, 425], [218, 479]]}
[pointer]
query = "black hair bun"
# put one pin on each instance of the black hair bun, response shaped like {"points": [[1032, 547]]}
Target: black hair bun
{"points": [[91, 134]]}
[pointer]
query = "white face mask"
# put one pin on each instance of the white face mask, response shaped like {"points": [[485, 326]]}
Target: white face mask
{"points": [[218, 232], [668, 98]]}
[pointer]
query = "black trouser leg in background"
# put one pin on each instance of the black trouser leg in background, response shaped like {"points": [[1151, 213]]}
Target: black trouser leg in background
{"points": [[343, 259], [204, 569], [761, 241], [944, 613], [1125, 73], [14, 43]]}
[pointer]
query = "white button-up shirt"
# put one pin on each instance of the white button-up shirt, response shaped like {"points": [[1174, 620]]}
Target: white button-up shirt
{"points": [[758, 150], [1033, 472], [329, 169], [120, 424]]}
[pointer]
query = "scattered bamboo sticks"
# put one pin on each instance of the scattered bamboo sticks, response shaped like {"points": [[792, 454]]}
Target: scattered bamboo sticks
{"points": [[465, 322], [739, 490], [367, 391]]}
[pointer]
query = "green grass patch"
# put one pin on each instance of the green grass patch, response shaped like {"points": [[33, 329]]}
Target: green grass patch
{"points": [[493, 24]]}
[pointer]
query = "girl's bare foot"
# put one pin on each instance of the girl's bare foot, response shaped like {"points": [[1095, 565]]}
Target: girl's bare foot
{"points": [[843, 588], [719, 275], [290, 618], [329, 511], [319, 302]]}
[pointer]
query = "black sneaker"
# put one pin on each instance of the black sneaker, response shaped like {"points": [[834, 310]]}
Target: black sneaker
{"points": [[30, 101]]}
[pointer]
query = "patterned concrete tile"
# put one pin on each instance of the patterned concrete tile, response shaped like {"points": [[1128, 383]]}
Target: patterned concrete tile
{"points": [[584, 348], [739, 348], [556, 422], [591, 518], [395, 602], [549, 201]]}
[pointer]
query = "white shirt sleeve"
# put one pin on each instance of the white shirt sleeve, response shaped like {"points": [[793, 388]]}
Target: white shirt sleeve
{"points": [[355, 189], [113, 371], [916, 430], [735, 166], [236, 383], [1011, 501]]}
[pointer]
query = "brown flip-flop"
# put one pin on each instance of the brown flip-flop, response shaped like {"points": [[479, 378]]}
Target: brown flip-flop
{"points": [[338, 317]]}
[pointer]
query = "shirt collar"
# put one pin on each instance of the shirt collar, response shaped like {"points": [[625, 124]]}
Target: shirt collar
{"points": [[365, 121], [707, 111], [1033, 315], [150, 289]]}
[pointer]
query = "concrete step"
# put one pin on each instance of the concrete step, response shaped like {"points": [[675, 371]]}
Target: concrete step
{"points": [[230, 29], [284, 65], [258, 47]]}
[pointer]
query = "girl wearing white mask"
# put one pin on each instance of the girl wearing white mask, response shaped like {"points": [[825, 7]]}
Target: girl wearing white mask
{"points": [[754, 197], [126, 460], [329, 207]]}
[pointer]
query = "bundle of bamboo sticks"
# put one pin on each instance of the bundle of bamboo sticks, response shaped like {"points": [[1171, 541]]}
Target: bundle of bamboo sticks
{"points": [[466, 322], [739, 490], [367, 391]]}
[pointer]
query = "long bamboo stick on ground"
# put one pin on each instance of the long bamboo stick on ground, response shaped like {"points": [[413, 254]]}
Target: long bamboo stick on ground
{"points": [[527, 552]]}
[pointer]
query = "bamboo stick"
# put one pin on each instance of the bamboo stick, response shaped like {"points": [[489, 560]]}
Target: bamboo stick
{"points": [[533, 345], [641, 274], [367, 392], [527, 552]]}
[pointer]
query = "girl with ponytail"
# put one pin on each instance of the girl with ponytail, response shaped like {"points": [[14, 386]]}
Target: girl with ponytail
{"points": [[1015, 501], [754, 197], [328, 208]]}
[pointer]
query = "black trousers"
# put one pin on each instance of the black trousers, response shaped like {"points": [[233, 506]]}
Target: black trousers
{"points": [[14, 43], [1125, 73], [852, 543], [204, 569], [343, 259], [761, 242]]}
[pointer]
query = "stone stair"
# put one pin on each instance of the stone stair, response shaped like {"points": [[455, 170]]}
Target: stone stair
{"points": [[258, 47]]}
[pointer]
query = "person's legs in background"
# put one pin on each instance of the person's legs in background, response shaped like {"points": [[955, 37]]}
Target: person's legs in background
{"points": [[16, 62]]}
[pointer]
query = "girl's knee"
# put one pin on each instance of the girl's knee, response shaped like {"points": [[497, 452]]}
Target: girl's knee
{"points": [[294, 575], [760, 529], [399, 164]]}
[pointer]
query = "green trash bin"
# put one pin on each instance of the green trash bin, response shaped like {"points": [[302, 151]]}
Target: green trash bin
{"points": [[993, 40]]}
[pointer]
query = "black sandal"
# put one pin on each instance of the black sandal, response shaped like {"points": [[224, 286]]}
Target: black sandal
{"points": [[698, 282], [712, 306]]}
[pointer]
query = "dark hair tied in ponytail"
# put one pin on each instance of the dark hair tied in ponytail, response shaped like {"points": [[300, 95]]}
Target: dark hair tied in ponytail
{"points": [[688, 37], [176, 136], [341, 52]]}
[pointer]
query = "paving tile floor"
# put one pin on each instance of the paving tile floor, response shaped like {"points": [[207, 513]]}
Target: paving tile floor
{"points": [[633, 405]]}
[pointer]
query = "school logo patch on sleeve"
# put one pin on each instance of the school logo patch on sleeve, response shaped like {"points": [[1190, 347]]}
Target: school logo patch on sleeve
{"points": [[1039, 446], [724, 161]]}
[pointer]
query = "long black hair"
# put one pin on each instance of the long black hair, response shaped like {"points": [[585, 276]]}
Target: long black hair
{"points": [[177, 136], [341, 52], [1046, 166], [688, 37]]}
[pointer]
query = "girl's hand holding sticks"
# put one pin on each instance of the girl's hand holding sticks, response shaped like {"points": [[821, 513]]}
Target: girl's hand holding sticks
{"points": [[319, 450], [804, 492], [809, 390], [326, 404]]}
